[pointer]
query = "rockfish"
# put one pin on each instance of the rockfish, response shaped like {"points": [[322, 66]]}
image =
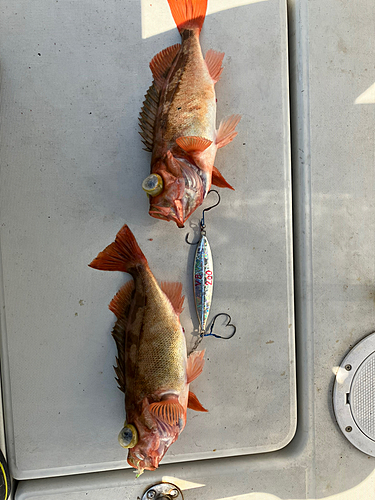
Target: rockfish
{"points": [[152, 366], [178, 120]]}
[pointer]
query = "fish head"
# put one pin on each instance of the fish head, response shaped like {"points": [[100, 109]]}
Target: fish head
{"points": [[154, 439], [181, 188], [147, 454]]}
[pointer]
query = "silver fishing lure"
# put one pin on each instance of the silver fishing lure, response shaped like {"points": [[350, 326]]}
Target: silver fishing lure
{"points": [[203, 280]]}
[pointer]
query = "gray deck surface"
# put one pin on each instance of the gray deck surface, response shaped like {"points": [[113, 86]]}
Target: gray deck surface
{"points": [[332, 74], [73, 79]]}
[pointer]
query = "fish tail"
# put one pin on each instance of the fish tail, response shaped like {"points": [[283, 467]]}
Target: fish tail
{"points": [[188, 14], [123, 254]]}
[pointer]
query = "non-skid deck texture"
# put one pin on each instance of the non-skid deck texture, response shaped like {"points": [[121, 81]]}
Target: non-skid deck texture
{"points": [[73, 76]]}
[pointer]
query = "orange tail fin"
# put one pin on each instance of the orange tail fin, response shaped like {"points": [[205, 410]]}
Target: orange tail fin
{"points": [[121, 255], [188, 14]]}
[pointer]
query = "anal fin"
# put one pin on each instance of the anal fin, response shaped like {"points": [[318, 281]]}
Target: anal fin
{"points": [[195, 363], [173, 290], [226, 132], [213, 61]]}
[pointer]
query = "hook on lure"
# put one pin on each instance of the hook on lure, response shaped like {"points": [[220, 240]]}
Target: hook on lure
{"points": [[227, 324], [203, 279], [202, 223]]}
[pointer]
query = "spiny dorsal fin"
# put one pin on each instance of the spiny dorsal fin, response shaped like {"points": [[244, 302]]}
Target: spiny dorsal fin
{"points": [[147, 116], [173, 291], [193, 144], [213, 60], [161, 63], [118, 333], [195, 363], [121, 300], [226, 132], [218, 180], [194, 403]]}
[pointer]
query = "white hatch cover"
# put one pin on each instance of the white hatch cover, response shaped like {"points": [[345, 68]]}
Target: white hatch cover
{"points": [[354, 395], [74, 75]]}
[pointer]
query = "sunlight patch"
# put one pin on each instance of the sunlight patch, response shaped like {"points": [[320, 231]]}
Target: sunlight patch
{"points": [[368, 96], [181, 483], [157, 18]]}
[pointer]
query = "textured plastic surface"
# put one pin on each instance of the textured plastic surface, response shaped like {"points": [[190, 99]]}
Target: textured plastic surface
{"points": [[73, 79], [333, 114]]}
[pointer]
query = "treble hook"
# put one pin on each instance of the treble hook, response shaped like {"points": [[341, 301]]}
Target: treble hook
{"points": [[202, 224]]}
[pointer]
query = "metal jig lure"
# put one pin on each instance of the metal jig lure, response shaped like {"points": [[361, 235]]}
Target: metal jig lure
{"points": [[203, 279]]}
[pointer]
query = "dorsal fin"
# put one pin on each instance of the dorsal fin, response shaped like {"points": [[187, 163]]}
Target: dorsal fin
{"points": [[147, 117], [195, 363], [120, 376], [161, 63], [173, 291], [121, 300], [213, 60], [226, 132], [169, 411], [193, 144], [118, 333], [218, 180]]}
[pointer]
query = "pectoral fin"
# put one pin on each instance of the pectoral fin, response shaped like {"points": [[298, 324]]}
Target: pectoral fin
{"points": [[218, 180], [193, 144], [194, 404], [168, 411]]}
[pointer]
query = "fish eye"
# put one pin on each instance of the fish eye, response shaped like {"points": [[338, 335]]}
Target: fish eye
{"points": [[128, 436], [153, 184]]}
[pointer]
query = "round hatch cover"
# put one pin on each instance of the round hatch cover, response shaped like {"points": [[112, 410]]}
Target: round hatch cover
{"points": [[354, 395]]}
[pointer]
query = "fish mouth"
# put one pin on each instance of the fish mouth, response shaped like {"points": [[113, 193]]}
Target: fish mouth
{"points": [[151, 448], [150, 462], [167, 214], [177, 204], [142, 465]]}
